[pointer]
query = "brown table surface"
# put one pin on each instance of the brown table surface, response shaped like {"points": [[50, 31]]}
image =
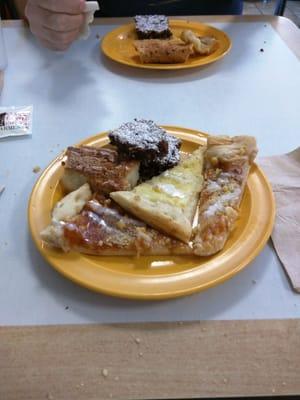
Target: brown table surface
{"points": [[151, 361]]}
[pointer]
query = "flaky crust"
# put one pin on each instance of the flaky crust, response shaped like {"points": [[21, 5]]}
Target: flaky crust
{"points": [[201, 45], [227, 164], [104, 229]]}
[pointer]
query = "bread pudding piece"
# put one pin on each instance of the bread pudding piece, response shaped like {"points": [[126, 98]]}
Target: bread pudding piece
{"points": [[100, 167], [152, 27], [157, 51]]}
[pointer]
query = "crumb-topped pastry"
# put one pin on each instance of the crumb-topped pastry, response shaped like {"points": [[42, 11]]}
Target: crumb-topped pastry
{"points": [[152, 27], [227, 164]]}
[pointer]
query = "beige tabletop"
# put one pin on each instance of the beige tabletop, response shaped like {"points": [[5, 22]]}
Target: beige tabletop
{"points": [[158, 360]]}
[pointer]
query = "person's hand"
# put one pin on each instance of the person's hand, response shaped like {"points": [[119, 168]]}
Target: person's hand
{"points": [[56, 23]]}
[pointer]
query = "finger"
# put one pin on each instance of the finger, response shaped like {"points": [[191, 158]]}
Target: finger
{"points": [[54, 21], [59, 40], [53, 46], [57, 21], [61, 6], [63, 22]]}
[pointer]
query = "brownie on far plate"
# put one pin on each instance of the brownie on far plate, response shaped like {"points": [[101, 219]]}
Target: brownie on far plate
{"points": [[152, 27]]}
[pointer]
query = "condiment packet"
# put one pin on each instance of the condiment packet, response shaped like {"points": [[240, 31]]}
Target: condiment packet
{"points": [[15, 121], [90, 8]]}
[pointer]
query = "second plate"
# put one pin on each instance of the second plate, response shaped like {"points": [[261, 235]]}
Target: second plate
{"points": [[118, 45]]}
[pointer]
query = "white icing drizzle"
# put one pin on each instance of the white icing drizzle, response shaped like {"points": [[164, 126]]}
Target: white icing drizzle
{"points": [[170, 190]]}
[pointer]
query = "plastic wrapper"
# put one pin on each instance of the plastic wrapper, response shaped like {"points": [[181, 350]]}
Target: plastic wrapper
{"points": [[15, 121]]}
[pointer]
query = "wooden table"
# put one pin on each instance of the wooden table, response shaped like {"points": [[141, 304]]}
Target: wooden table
{"points": [[240, 356]]}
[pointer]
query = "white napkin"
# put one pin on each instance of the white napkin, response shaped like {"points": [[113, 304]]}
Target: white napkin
{"points": [[90, 8]]}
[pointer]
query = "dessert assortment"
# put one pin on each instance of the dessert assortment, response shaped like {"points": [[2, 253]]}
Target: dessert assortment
{"points": [[157, 44], [139, 195]]}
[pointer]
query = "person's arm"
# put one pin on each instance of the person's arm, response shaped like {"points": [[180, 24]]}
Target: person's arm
{"points": [[56, 23]]}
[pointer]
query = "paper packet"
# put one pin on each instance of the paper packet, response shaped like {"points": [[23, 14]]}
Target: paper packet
{"points": [[15, 121]]}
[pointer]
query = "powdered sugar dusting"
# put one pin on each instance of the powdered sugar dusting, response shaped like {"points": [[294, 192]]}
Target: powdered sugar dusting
{"points": [[226, 199]]}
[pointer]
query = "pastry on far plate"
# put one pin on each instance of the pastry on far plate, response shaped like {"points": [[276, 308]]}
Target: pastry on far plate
{"points": [[152, 27], [168, 201], [227, 164], [157, 51], [203, 45]]}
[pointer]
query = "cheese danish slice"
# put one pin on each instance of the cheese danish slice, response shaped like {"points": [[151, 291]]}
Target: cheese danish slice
{"points": [[168, 201], [227, 164]]}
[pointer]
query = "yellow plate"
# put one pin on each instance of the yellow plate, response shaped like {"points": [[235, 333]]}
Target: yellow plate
{"points": [[118, 45], [156, 277]]}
